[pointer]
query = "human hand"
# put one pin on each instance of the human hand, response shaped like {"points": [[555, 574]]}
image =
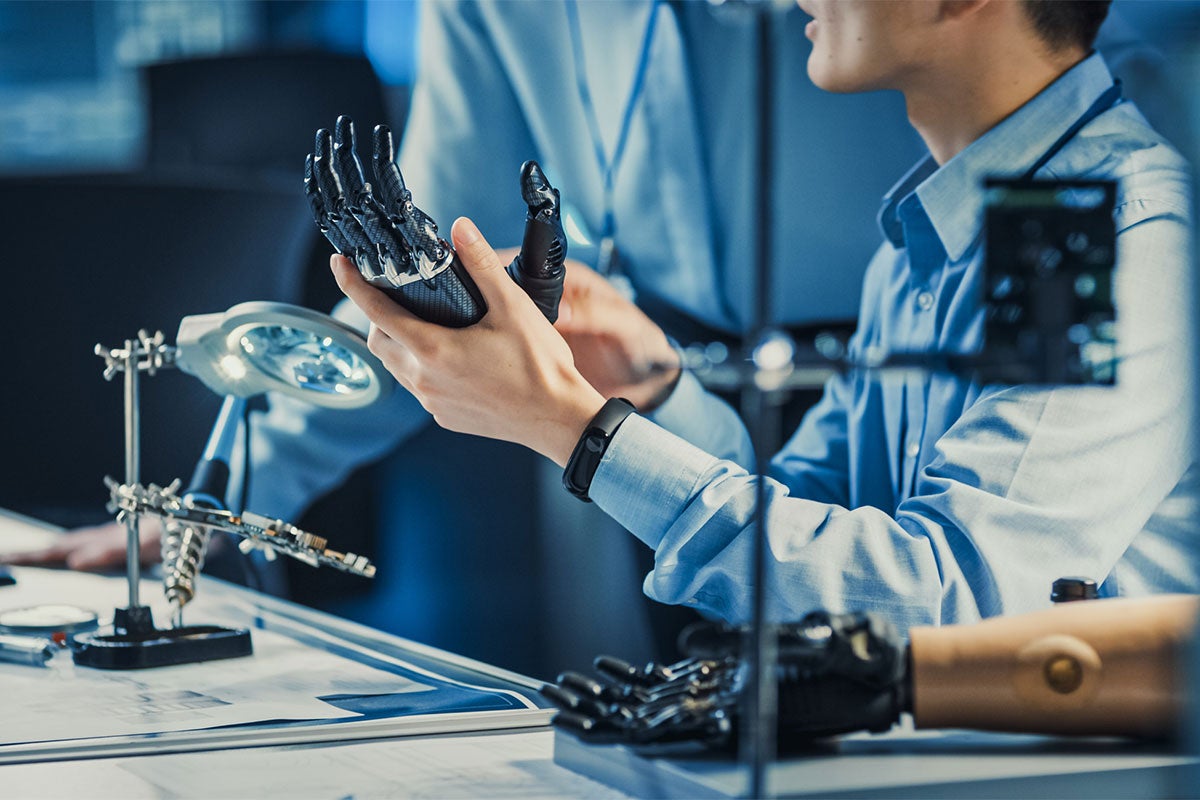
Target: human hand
{"points": [[510, 376], [92, 549], [620, 350]]}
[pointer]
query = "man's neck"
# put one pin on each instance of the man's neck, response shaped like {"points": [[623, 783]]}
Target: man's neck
{"points": [[956, 104]]}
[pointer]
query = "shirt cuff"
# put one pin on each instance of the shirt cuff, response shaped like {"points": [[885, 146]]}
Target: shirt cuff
{"points": [[647, 477], [705, 420]]}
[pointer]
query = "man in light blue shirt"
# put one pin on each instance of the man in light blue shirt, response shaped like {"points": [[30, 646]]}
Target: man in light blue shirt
{"points": [[933, 499]]}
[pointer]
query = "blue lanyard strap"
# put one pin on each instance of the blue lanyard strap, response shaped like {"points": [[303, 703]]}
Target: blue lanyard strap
{"points": [[608, 167], [1103, 103]]}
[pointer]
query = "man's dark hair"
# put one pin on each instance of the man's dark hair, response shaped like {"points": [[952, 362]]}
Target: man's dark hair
{"points": [[1067, 23]]}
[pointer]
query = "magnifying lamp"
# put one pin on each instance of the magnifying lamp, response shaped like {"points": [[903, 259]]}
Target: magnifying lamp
{"points": [[258, 347], [250, 349]]}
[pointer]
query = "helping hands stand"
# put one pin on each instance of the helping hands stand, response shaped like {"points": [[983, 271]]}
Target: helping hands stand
{"points": [[135, 641], [189, 517]]}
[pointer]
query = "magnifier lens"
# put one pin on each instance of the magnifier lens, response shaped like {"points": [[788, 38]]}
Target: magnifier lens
{"points": [[304, 359]]}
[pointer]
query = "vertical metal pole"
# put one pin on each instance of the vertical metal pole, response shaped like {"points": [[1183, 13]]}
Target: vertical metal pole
{"points": [[133, 563], [759, 712]]}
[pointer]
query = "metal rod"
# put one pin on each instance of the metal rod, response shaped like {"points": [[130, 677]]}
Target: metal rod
{"points": [[133, 563], [222, 439], [758, 745]]}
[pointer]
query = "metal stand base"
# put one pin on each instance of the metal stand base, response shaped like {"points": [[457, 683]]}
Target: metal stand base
{"points": [[136, 644]]}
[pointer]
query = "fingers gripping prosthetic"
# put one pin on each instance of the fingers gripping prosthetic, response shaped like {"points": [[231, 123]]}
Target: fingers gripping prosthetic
{"points": [[836, 674], [396, 245]]}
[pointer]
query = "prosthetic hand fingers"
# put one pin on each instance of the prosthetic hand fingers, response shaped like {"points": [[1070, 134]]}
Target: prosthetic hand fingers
{"points": [[562, 698], [536, 191], [415, 229], [591, 729], [566, 699], [346, 163], [539, 267], [587, 687], [650, 707], [394, 245], [419, 230], [362, 251], [389, 183], [622, 672], [392, 254], [320, 215]]}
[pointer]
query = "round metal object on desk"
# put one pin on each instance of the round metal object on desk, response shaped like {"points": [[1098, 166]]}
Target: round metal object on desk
{"points": [[47, 620]]}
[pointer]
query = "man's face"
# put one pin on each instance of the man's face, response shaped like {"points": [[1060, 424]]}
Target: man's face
{"points": [[861, 45]]}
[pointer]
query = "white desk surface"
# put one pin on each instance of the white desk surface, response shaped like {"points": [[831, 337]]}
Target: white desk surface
{"points": [[493, 765]]}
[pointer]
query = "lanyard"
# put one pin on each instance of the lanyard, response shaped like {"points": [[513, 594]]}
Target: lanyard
{"points": [[608, 165], [1103, 103]]}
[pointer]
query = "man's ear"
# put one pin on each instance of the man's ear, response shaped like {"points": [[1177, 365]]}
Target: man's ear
{"points": [[960, 9]]}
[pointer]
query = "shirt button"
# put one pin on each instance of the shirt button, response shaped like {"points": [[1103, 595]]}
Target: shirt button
{"points": [[925, 301], [913, 449]]}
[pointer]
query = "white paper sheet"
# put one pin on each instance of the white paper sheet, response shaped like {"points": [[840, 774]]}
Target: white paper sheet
{"points": [[280, 681], [509, 765]]}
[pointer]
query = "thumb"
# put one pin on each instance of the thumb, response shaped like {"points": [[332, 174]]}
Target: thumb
{"points": [[566, 315], [481, 261]]}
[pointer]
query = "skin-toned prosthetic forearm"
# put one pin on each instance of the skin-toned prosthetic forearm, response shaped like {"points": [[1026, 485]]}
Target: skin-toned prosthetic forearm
{"points": [[1101, 667]]}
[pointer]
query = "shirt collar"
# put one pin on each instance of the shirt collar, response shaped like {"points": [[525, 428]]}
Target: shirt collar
{"points": [[952, 196]]}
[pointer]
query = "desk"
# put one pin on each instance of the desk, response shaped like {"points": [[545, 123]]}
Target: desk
{"points": [[393, 758]]}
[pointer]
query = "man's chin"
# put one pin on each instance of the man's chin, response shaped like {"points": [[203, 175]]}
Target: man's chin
{"points": [[838, 81], [829, 82]]}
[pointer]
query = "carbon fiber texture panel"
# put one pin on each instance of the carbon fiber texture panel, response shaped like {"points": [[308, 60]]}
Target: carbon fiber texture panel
{"points": [[448, 302]]}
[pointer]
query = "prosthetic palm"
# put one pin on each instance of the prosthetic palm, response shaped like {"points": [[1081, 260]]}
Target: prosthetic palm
{"points": [[396, 245]]}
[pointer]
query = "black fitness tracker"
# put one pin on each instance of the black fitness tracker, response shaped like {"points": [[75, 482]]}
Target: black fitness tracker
{"points": [[585, 458]]}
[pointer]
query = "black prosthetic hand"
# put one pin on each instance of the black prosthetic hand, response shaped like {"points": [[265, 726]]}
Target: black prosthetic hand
{"points": [[836, 674], [396, 245]]}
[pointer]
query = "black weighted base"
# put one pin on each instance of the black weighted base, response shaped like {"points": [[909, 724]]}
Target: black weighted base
{"points": [[137, 644]]}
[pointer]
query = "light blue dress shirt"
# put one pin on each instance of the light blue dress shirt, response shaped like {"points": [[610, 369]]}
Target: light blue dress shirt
{"points": [[931, 498]]}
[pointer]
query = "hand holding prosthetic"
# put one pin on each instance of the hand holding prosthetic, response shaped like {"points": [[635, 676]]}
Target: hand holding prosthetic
{"points": [[396, 245]]}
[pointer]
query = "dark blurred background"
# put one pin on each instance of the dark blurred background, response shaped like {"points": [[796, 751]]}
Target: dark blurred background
{"points": [[150, 167]]}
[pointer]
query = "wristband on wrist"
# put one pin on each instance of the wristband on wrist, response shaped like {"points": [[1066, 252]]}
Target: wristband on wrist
{"points": [[590, 449]]}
